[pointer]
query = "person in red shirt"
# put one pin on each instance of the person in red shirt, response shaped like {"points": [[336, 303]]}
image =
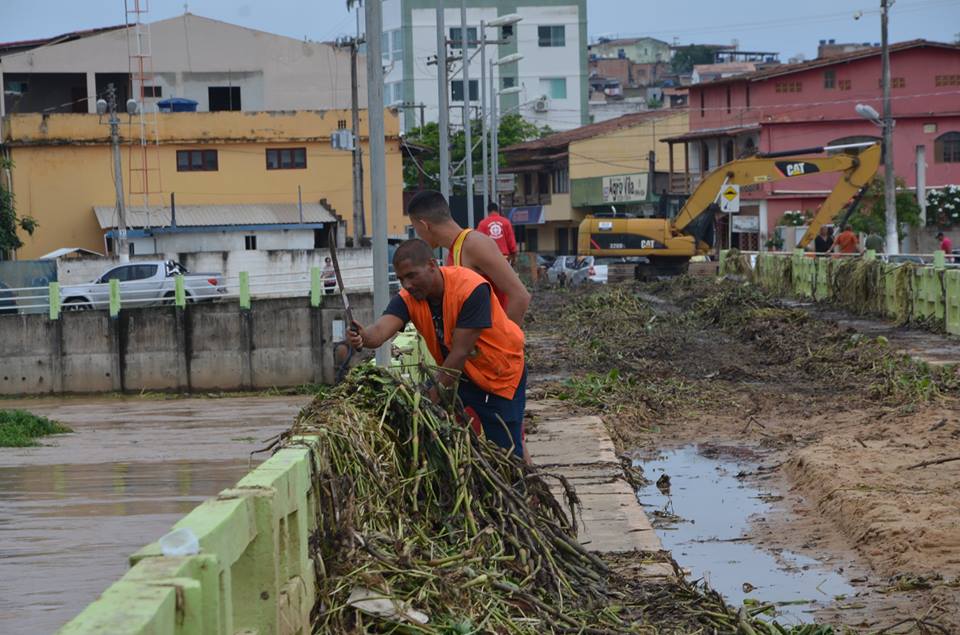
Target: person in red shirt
{"points": [[846, 241], [946, 245], [499, 228]]}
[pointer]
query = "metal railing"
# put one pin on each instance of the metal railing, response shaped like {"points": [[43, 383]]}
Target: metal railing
{"points": [[53, 299]]}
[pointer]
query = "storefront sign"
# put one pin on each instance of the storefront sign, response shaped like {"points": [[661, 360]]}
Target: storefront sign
{"points": [[624, 188]]}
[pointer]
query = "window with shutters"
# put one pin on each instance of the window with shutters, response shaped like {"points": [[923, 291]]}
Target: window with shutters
{"points": [[946, 148]]}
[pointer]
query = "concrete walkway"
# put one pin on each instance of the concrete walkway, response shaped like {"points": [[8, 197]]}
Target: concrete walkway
{"points": [[580, 449]]}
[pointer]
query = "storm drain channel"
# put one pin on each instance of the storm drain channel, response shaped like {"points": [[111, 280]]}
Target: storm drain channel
{"points": [[702, 515]]}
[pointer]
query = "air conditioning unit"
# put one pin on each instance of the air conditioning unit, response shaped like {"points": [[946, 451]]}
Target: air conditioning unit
{"points": [[541, 105]]}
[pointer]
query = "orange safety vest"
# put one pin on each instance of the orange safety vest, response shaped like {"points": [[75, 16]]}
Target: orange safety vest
{"points": [[455, 256], [496, 364]]}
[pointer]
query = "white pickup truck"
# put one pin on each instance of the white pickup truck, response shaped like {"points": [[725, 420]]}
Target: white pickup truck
{"points": [[143, 283]]}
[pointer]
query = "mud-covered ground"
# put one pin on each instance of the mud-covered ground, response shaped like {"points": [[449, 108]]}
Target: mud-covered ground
{"points": [[847, 429]]}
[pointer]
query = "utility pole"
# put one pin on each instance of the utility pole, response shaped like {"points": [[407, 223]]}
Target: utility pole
{"points": [[121, 241], [889, 189], [359, 220], [494, 140], [378, 174], [467, 143], [483, 114], [443, 119]]}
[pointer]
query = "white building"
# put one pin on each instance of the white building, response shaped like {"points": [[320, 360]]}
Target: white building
{"points": [[220, 66], [551, 37]]}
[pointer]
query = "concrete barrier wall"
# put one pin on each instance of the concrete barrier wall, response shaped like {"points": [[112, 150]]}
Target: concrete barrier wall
{"points": [[928, 293], [254, 573], [205, 346]]}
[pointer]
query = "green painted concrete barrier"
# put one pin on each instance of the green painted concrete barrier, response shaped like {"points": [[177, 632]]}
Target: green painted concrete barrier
{"points": [[54, 297], [315, 291], [244, 290], [114, 297], [951, 281], [253, 574], [929, 292], [179, 293]]}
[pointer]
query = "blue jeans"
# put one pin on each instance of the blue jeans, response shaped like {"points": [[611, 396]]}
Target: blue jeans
{"points": [[502, 419]]}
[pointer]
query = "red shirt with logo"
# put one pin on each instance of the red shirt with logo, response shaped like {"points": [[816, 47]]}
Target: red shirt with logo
{"points": [[499, 228]]}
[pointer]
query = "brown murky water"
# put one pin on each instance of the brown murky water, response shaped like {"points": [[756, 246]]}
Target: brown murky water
{"points": [[72, 511]]}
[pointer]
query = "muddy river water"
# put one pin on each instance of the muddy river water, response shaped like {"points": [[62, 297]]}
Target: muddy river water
{"points": [[72, 510]]}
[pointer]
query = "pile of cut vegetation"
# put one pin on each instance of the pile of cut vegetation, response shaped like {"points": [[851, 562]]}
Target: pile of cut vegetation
{"points": [[824, 350], [423, 527]]}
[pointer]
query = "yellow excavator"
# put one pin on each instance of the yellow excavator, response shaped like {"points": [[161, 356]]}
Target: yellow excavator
{"points": [[667, 245]]}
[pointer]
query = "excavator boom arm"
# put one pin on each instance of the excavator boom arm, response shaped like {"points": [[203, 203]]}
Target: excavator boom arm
{"points": [[857, 171]]}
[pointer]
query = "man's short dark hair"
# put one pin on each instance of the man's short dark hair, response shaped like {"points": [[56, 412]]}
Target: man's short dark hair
{"points": [[939, 234], [848, 228], [415, 250], [493, 207], [429, 205]]}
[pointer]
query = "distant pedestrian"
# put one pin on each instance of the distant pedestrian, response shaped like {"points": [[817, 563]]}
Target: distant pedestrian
{"points": [[501, 230], [329, 276], [875, 242], [846, 241], [946, 245], [824, 240]]}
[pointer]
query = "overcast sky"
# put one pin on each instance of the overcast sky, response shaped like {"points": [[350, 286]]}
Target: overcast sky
{"points": [[769, 25]]}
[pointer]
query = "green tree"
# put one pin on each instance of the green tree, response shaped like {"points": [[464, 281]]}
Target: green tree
{"points": [[9, 222], [686, 58], [871, 216], [426, 163]]}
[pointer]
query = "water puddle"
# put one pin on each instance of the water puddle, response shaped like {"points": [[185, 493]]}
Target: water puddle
{"points": [[702, 513]]}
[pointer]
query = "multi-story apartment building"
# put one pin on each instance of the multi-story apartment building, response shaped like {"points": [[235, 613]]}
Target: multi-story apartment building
{"points": [[795, 106], [552, 74]]}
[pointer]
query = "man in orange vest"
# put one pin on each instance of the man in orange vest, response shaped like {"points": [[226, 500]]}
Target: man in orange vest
{"points": [[430, 215], [466, 331]]}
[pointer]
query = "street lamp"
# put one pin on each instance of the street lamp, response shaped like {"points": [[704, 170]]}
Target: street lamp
{"points": [[503, 20], [494, 123], [870, 113]]}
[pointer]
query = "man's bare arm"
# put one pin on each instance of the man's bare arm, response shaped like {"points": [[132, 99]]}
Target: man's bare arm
{"points": [[376, 334], [486, 258], [464, 341]]}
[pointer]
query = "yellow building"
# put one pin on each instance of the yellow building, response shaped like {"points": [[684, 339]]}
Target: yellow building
{"points": [[619, 164], [213, 161]]}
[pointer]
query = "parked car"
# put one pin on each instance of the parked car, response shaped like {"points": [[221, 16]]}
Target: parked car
{"points": [[144, 283], [573, 270]]}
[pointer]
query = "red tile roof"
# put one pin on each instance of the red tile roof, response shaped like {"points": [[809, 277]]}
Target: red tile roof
{"points": [[562, 139]]}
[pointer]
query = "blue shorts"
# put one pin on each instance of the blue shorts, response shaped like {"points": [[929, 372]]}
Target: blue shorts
{"points": [[502, 419]]}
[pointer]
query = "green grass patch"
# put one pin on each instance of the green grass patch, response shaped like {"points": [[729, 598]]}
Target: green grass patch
{"points": [[19, 428]]}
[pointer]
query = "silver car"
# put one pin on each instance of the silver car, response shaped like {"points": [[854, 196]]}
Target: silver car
{"points": [[570, 270], [142, 284]]}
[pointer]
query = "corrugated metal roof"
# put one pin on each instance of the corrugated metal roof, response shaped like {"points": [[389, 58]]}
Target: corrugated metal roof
{"points": [[66, 251], [209, 215]]}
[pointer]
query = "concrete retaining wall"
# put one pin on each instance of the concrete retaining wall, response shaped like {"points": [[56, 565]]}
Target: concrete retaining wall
{"points": [[206, 346], [930, 293], [253, 574]]}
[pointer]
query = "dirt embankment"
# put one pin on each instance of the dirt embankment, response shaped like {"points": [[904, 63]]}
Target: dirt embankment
{"points": [[854, 427]]}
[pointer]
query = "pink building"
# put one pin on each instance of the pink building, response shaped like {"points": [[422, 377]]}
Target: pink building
{"points": [[811, 104]]}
